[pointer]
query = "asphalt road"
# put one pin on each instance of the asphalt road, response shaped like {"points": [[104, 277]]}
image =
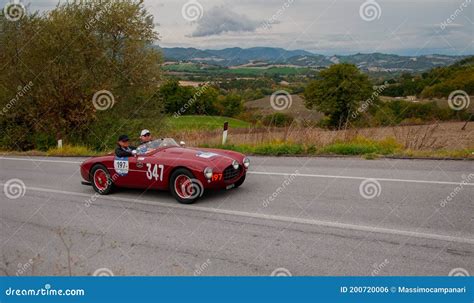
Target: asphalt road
{"points": [[298, 216]]}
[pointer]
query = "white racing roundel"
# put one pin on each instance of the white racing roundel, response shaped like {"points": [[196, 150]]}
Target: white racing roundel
{"points": [[206, 155], [121, 165]]}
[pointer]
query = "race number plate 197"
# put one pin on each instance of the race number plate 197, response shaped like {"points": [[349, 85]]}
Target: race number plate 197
{"points": [[121, 166]]}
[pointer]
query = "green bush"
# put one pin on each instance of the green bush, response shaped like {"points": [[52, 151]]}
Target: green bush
{"points": [[279, 149], [404, 112], [361, 146]]}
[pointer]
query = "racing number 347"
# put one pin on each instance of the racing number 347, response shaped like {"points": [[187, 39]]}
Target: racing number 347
{"points": [[153, 173]]}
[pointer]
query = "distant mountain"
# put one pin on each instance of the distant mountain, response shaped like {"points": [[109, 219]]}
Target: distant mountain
{"points": [[376, 62], [232, 56]]}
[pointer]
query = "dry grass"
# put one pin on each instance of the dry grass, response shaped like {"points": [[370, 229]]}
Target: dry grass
{"points": [[443, 140], [443, 136]]}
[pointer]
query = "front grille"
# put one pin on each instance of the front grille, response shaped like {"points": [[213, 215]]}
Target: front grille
{"points": [[230, 172]]}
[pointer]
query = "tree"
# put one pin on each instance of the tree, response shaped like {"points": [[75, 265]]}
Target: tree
{"points": [[339, 92], [232, 105], [185, 100], [70, 54]]}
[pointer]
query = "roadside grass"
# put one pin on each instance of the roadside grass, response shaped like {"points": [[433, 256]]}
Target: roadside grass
{"points": [[368, 150], [196, 122], [357, 146], [441, 141], [71, 151], [362, 146]]}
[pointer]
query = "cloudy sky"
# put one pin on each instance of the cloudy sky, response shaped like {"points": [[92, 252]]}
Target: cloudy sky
{"points": [[407, 27]]}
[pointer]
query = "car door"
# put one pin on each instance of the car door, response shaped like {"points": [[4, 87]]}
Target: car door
{"points": [[152, 170], [126, 173]]}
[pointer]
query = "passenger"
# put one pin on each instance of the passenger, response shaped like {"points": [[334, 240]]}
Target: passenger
{"points": [[145, 136]]}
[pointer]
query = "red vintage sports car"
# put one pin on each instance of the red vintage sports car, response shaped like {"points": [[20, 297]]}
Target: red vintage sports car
{"points": [[163, 164]]}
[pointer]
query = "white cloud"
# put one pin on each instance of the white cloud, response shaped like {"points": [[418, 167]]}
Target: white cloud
{"points": [[220, 19]]}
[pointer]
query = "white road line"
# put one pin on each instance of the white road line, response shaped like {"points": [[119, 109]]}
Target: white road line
{"points": [[360, 178], [321, 223], [286, 174]]}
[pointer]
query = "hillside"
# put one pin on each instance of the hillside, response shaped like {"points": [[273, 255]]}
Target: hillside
{"points": [[297, 109], [437, 82], [374, 62]]}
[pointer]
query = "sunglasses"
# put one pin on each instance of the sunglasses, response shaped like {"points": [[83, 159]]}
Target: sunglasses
{"points": [[146, 135]]}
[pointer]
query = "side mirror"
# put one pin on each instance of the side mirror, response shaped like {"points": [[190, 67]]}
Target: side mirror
{"points": [[182, 143]]}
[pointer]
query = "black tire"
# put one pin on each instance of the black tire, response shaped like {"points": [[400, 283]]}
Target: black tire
{"points": [[239, 182], [107, 185], [192, 186]]}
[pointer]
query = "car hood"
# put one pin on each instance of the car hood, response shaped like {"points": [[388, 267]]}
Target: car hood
{"points": [[209, 157]]}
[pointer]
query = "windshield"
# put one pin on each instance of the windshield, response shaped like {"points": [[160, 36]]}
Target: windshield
{"points": [[155, 144]]}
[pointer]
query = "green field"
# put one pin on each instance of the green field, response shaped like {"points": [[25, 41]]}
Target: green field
{"points": [[192, 122], [243, 71]]}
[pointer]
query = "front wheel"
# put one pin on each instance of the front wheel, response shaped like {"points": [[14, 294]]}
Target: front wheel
{"points": [[239, 182], [184, 187], [101, 180]]}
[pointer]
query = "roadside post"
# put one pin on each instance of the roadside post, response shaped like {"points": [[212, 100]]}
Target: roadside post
{"points": [[224, 133]]}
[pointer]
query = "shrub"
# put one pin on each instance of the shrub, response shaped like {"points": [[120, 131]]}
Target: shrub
{"points": [[361, 146]]}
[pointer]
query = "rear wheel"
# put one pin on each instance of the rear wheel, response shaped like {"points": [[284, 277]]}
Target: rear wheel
{"points": [[101, 180], [185, 187]]}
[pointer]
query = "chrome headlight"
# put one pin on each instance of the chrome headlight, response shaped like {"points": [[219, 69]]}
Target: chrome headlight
{"points": [[246, 162], [235, 164], [208, 173]]}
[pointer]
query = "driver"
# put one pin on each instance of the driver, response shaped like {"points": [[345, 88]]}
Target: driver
{"points": [[123, 147]]}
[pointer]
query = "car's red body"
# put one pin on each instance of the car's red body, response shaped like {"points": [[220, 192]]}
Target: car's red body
{"points": [[172, 158]]}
